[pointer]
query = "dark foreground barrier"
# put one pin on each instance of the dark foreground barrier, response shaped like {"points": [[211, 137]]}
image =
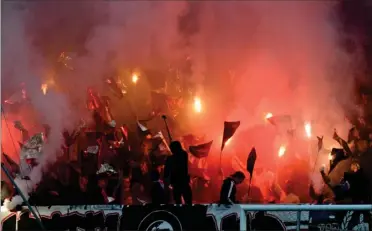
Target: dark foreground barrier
{"points": [[176, 217]]}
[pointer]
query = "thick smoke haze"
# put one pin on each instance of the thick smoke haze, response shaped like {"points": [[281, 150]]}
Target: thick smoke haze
{"points": [[248, 58], [288, 57]]}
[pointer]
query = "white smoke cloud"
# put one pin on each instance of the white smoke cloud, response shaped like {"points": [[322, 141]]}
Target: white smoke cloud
{"points": [[22, 64]]}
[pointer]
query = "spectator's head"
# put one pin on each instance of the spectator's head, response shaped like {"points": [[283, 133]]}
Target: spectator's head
{"points": [[102, 182], [238, 177], [289, 186], [155, 175], [176, 147], [355, 167]]}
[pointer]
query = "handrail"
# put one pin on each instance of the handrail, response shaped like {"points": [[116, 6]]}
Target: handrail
{"points": [[303, 207], [296, 208]]}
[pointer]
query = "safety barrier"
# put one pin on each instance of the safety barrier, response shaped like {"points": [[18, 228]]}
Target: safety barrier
{"points": [[298, 208], [196, 217]]}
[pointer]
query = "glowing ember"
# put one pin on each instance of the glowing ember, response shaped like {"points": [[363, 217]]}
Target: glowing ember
{"points": [[282, 150], [44, 88], [308, 129], [198, 105], [134, 78], [268, 115]]}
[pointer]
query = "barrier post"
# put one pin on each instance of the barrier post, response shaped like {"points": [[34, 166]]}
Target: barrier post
{"points": [[243, 220], [298, 227], [300, 208]]}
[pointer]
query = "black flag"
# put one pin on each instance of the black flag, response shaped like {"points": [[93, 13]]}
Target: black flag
{"points": [[201, 150], [320, 143], [228, 131], [142, 129], [251, 160]]}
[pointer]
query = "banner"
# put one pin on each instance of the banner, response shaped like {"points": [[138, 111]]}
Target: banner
{"points": [[179, 217]]}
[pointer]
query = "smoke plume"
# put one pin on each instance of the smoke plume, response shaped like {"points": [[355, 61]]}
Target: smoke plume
{"points": [[23, 64], [248, 58]]}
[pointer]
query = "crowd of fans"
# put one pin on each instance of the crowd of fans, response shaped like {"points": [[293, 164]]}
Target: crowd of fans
{"points": [[129, 170], [150, 179]]}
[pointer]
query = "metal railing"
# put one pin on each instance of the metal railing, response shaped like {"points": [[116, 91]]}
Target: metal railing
{"points": [[298, 208]]}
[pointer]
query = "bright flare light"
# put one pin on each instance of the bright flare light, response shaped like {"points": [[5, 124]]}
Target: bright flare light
{"points": [[134, 78], [282, 150], [308, 129], [44, 88], [197, 105], [268, 115], [330, 157]]}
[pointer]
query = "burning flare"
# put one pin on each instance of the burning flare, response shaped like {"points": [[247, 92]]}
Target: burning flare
{"points": [[308, 129], [281, 151], [330, 157], [134, 78], [198, 106], [44, 88], [268, 115]]}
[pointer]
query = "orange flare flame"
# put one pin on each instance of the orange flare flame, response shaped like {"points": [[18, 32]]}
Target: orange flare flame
{"points": [[134, 78], [281, 151], [44, 88], [268, 115], [197, 105], [308, 129]]}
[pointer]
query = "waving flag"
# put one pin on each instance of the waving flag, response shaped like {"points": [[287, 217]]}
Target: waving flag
{"points": [[251, 161], [228, 131], [142, 129], [162, 146], [124, 132], [202, 150], [12, 164]]}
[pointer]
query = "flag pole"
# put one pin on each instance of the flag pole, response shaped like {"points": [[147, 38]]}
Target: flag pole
{"points": [[249, 187], [221, 159], [38, 220], [164, 117]]}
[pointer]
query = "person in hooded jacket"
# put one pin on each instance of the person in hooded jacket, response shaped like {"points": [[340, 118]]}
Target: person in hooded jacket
{"points": [[176, 172], [228, 189], [358, 184]]}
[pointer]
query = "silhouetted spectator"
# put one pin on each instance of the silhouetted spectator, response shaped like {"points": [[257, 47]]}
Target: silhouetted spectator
{"points": [[177, 172], [359, 184], [228, 189], [157, 189]]}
